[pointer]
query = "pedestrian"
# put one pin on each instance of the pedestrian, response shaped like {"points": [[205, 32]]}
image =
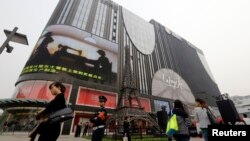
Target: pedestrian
{"points": [[5, 126], [99, 120], [126, 128], [201, 117], [85, 130], [183, 120], [163, 119], [50, 131], [13, 125], [78, 129]]}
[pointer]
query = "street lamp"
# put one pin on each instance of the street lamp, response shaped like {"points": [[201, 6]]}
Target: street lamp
{"points": [[14, 37]]}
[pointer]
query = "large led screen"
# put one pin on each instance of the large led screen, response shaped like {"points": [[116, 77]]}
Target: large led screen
{"points": [[159, 104], [73, 52]]}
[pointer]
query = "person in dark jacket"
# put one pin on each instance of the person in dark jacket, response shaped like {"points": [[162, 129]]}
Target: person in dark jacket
{"points": [[183, 121], [126, 128], [86, 127], [78, 129], [99, 120], [47, 131], [102, 66]]}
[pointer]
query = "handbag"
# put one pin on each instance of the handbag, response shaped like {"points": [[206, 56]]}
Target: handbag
{"points": [[188, 122], [125, 138], [61, 115], [172, 126], [211, 117]]}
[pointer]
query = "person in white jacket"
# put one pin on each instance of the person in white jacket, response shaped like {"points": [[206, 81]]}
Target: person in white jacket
{"points": [[201, 117]]}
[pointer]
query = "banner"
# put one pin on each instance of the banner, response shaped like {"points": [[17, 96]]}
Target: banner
{"points": [[38, 90], [90, 97]]}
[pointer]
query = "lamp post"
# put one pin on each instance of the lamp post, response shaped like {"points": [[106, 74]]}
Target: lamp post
{"points": [[14, 37]]}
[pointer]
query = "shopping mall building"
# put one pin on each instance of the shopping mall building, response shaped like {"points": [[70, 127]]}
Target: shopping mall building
{"points": [[83, 46]]}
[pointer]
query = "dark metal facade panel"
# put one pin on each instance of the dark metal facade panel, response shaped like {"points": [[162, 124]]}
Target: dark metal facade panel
{"points": [[107, 23], [189, 66], [57, 12], [91, 18], [72, 12], [65, 7], [175, 54]]}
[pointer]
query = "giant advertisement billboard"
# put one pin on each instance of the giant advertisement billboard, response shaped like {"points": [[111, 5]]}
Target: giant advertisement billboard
{"points": [[168, 84], [73, 52]]}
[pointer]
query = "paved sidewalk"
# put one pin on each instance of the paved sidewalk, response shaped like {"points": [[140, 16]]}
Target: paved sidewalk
{"points": [[24, 137], [196, 139]]}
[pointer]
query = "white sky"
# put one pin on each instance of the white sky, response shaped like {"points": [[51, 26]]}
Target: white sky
{"points": [[221, 28]]}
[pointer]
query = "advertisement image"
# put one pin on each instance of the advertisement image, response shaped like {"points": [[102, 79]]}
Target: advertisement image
{"points": [[76, 53], [39, 90], [158, 105], [90, 97]]}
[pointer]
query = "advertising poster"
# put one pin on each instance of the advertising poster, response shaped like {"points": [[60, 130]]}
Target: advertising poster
{"points": [[38, 90], [75, 53], [90, 97]]}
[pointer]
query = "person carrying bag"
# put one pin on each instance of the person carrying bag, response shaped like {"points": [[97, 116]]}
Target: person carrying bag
{"points": [[179, 123], [203, 116], [49, 129], [61, 115], [126, 128]]}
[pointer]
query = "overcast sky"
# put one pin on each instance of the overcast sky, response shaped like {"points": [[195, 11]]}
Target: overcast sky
{"points": [[220, 28]]}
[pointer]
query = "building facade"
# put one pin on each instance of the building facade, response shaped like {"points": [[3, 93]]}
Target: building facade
{"points": [[83, 46]]}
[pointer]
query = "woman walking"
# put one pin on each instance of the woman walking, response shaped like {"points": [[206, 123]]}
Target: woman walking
{"points": [[201, 117], [51, 131], [183, 120]]}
